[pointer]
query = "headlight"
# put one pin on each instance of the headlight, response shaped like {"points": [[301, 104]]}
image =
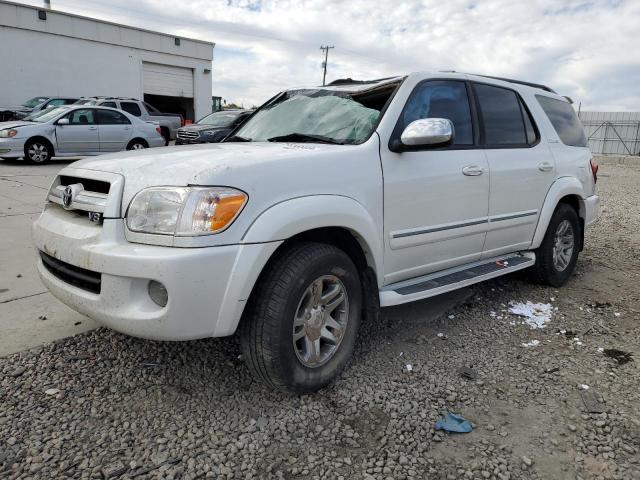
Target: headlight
{"points": [[8, 133], [184, 210]]}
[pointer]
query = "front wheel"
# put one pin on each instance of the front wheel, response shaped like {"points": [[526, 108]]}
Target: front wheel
{"points": [[300, 326], [37, 151], [557, 256]]}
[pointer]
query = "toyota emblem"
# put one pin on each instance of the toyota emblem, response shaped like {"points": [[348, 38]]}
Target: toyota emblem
{"points": [[67, 197]]}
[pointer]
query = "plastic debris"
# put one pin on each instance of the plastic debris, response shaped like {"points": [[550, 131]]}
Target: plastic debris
{"points": [[600, 350], [451, 317], [532, 343], [453, 423], [536, 315], [583, 386], [440, 335], [409, 367]]}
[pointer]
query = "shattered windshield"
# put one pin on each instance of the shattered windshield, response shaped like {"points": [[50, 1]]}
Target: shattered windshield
{"points": [[34, 102], [316, 116]]}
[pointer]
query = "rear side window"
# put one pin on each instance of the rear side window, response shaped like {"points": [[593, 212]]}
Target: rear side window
{"points": [[565, 121], [502, 116], [440, 99], [109, 104], [131, 108], [109, 117]]}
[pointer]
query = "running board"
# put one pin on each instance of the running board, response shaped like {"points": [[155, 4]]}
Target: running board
{"points": [[454, 278]]}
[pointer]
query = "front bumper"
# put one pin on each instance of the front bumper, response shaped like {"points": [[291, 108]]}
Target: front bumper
{"points": [[592, 209], [11, 147], [207, 287]]}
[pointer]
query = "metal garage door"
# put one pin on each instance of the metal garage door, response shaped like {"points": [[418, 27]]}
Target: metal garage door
{"points": [[167, 80]]}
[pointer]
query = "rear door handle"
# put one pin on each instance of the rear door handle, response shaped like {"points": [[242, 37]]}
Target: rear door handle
{"points": [[472, 170], [93, 128], [545, 167]]}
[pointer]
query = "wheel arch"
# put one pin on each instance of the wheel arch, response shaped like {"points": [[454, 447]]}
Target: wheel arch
{"points": [[566, 190], [137, 139], [43, 139]]}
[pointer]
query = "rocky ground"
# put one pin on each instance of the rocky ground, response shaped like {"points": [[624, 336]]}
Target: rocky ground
{"points": [[102, 405]]}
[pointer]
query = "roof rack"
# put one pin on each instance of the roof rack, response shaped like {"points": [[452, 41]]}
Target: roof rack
{"points": [[510, 80]]}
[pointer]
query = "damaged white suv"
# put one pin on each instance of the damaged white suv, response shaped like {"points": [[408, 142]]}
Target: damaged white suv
{"points": [[327, 204]]}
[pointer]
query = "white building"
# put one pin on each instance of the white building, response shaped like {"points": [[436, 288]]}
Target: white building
{"points": [[45, 52]]}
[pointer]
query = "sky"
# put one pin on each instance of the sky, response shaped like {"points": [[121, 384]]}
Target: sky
{"points": [[588, 50]]}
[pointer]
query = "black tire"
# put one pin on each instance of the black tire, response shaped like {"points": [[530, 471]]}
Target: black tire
{"points": [[137, 144], [165, 134], [38, 151], [545, 270], [267, 328]]}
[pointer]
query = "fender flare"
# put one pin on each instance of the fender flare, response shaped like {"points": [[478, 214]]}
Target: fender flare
{"points": [[282, 221], [291, 217], [562, 187]]}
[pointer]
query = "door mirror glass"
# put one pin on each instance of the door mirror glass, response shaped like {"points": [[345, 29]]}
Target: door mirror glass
{"points": [[63, 121], [432, 132]]}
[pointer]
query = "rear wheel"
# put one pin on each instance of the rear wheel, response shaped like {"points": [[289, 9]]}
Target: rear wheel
{"points": [[300, 326], [38, 151], [557, 256], [137, 144]]}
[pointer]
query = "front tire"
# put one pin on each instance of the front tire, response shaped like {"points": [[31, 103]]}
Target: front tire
{"points": [[37, 152], [557, 256], [300, 325]]}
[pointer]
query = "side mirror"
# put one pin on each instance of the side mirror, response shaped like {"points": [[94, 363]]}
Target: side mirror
{"points": [[63, 121], [432, 132]]}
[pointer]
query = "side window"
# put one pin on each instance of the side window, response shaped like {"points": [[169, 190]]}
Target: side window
{"points": [[532, 134], [82, 116], [55, 102], [502, 121], [131, 107], [440, 99], [151, 109], [109, 104], [565, 121], [109, 117]]}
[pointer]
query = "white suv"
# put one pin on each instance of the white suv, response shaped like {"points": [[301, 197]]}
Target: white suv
{"points": [[327, 204]]}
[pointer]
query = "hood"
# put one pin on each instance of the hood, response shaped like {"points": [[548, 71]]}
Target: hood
{"points": [[202, 127], [16, 124], [236, 164], [16, 108]]}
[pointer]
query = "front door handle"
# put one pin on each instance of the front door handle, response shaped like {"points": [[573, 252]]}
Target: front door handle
{"points": [[93, 128], [545, 167], [472, 170]]}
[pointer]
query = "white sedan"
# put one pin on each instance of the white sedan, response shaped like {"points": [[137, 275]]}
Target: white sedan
{"points": [[75, 130]]}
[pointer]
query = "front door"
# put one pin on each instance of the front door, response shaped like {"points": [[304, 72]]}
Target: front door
{"points": [[80, 136], [114, 130], [522, 168], [435, 200]]}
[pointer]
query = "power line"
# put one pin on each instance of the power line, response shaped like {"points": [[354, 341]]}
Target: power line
{"points": [[326, 58]]}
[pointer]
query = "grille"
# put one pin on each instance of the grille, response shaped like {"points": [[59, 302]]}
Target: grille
{"points": [[76, 276], [187, 134], [89, 195]]}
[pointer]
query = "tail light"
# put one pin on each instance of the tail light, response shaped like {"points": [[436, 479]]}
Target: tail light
{"points": [[594, 170], [159, 130]]}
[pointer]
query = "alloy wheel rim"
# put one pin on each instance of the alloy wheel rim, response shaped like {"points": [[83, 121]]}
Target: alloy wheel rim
{"points": [[320, 321], [137, 146], [38, 152], [563, 246]]}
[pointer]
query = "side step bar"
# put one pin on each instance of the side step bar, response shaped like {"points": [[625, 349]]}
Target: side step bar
{"points": [[454, 278]]}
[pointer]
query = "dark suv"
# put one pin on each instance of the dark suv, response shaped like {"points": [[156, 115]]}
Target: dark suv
{"points": [[213, 128]]}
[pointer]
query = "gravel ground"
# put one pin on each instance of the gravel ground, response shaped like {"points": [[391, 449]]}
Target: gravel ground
{"points": [[102, 405]]}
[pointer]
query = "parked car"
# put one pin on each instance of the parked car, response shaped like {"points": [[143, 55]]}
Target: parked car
{"points": [[33, 105], [213, 128], [75, 130], [327, 204], [169, 122]]}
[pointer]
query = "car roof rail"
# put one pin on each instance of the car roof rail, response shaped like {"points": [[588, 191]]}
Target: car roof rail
{"points": [[510, 80], [351, 81]]}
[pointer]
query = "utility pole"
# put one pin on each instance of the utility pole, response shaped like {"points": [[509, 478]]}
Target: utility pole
{"points": [[324, 64]]}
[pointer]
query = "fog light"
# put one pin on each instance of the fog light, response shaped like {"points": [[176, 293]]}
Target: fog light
{"points": [[158, 293]]}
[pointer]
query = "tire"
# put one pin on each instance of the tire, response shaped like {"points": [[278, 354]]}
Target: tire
{"points": [[165, 134], [137, 144], [282, 307], [555, 270], [37, 151]]}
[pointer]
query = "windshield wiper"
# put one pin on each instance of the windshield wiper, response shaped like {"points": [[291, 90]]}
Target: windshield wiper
{"points": [[236, 138], [304, 138]]}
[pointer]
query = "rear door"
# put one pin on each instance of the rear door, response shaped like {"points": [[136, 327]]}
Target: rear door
{"points": [[114, 130], [522, 168], [80, 135], [435, 199]]}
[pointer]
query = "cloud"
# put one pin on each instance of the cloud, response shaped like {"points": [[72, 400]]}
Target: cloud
{"points": [[583, 49]]}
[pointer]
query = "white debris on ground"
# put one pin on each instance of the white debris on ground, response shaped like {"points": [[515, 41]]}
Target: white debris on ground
{"points": [[583, 386], [536, 315], [532, 343], [409, 367]]}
